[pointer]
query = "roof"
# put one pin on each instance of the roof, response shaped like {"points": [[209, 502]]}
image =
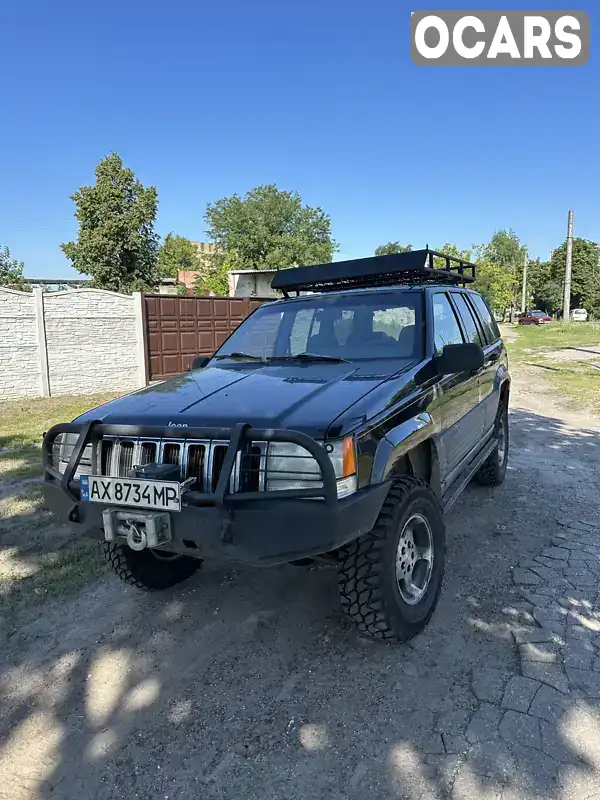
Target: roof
{"points": [[414, 267], [252, 271]]}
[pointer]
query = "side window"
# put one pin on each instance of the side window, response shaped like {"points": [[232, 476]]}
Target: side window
{"points": [[446, 329], [302, 329], [467, 318], [488, 323]]}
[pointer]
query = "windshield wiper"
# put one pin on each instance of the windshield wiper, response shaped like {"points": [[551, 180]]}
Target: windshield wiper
{"points": [[310, 357], [240, 356]]}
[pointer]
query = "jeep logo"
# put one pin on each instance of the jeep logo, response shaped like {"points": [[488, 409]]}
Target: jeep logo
{"points": [[177, 424]]}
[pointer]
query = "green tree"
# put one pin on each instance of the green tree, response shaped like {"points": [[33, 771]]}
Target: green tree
{"points": [[392, 247], [505, 251], [495, 283], [116, 245], [212, 277], [585, 274], [177, 253], [543, 291], [452, 250], [267, 228], [11, 271], [493, 280]]}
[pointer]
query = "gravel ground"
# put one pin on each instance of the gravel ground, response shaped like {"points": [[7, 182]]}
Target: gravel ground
{"points": [[248, 683]]}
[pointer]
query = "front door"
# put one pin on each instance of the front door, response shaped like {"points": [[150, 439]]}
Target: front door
{"points": [[458, 395]]}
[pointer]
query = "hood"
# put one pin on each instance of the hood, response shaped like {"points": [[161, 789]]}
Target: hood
{"points": [[304, 397]]}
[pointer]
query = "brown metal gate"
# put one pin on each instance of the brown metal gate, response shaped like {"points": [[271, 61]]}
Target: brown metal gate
{"points": [[179, 328]]}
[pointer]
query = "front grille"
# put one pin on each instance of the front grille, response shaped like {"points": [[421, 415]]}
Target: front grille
{"points": [[257, 466], [202, 461], [126, 453]]}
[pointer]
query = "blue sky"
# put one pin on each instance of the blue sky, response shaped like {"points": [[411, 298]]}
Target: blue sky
{"points": [[204, 99]]}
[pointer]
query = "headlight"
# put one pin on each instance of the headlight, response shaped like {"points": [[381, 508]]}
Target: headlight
{"points": [[63, 449], [290, 466]]}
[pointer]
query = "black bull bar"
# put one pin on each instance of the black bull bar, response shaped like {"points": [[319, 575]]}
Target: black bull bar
{"points": [[240, 438]]}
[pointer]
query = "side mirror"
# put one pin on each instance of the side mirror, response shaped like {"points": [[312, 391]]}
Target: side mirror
{"points": [[467, 357], [199, 362]]}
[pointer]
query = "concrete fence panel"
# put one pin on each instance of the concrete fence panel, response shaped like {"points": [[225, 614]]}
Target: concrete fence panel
{"points": [[20, 372], [72, 342]]}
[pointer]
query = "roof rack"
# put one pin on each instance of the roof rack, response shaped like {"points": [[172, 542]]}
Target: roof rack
{"points": [[413, 267]]}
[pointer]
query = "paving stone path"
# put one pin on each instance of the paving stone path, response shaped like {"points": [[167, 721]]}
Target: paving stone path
{"points": [[547, 713]]}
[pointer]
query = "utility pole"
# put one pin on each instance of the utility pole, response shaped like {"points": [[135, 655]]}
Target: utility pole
{"points": [[524, 291], [568, 265]]}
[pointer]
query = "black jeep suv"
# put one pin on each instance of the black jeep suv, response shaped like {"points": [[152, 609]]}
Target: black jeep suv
{"points": [[339, 423]]}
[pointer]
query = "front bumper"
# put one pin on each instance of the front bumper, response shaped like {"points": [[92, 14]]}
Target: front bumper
{"points": [[261, 528], [263, 532]]}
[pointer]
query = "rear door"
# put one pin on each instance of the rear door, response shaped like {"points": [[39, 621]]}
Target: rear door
{"points": [[458, 394], [495, 360], [472, 333]]}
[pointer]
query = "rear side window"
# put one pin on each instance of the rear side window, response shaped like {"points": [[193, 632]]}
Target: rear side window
{"points": [[488, 323], [446, 329], [467, 318]]}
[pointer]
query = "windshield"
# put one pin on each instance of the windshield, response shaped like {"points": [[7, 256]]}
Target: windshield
{"points": [[350, 327]]}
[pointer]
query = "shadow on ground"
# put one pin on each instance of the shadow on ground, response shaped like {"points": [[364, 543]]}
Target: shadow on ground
{"points": [[249, 683]]}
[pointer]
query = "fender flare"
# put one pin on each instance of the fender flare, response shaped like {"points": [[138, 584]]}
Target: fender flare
{"points": [[400, 441], [501, 378]]}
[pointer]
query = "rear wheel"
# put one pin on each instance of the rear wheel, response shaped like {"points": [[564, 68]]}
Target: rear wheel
{"points": [[148, 569], [390, 578], [493, 471]]}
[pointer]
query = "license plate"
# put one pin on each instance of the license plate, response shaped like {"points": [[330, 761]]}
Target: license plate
{"points": [[163, 495]]}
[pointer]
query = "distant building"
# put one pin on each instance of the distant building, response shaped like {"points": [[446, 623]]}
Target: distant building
{"points": [[188, 276], [251, 283], [241, 282], [205, 248]]}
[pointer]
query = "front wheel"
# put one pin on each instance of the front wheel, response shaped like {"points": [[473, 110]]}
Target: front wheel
{"points": [[390, 578], [493, 470], [148, 569]]}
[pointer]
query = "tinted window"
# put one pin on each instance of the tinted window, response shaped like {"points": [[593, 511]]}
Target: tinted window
{"points": [[446, 329], [350, 326], [492, 334], [260, 337], [467, 318]]}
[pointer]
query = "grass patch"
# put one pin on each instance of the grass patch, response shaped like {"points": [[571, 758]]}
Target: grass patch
{"points": [[67, 571], [23, 463], [39, 557], [532, 339], [20, 502], [23, 422], [27, 579], [579, 383]]}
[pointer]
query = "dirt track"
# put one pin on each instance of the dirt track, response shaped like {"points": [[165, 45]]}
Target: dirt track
{"points": [[249, 683]]}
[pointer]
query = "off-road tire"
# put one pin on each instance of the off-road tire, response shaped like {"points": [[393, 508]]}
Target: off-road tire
{"points": [[493, 470], [367, 573], [142, 569]]}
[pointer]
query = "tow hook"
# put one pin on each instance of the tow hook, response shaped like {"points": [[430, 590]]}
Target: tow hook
{"points": [[136, 537]]}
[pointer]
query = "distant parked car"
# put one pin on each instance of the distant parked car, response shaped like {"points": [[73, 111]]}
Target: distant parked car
{"points": [[535, 317], [579, 315]]}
